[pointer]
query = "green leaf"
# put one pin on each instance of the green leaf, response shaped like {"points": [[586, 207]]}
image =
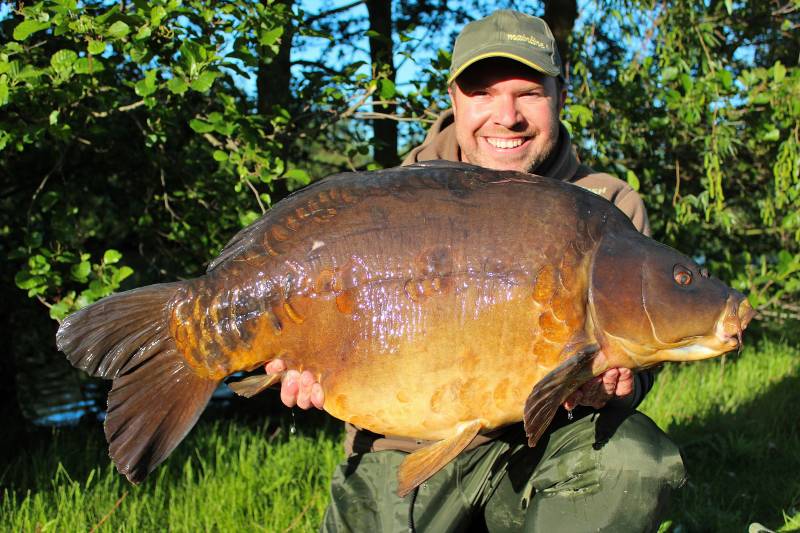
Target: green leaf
{"points": [[80, 272], [3, 91], [24, 280], [146, 86], [59, 310], [299, 175], [220, 156], [248, 217], [729, 6], [632, 180], [88, 65], [772, 135], [192, 56], [53, 117], [779, 71], [96, 47], [669, 73], [387, 89], [177, 85], [157, 14], [121, 274], [204, 81], [200, 126], [118, 30], [28, 27], [143, 33], [270, 37], [726, 77], [111, 256], [62, 61]]}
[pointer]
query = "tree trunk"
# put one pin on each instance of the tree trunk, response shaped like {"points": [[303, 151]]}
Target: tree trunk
{"points": [[274, 77], [560, 15], [381, 50]]}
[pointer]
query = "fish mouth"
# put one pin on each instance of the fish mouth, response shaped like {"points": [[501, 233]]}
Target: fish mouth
{"points": [[738, 314]]}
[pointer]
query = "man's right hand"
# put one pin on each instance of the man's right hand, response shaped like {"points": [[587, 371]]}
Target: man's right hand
{"points": [[297, 389]]}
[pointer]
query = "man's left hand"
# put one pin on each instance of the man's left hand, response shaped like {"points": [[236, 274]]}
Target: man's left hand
{"points": [[613, 383]]}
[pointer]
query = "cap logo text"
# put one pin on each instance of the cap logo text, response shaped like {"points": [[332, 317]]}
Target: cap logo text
{"points": [[527, 38]]}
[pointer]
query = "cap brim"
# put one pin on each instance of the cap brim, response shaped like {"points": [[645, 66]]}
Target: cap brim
{"points": [[509, 55]]}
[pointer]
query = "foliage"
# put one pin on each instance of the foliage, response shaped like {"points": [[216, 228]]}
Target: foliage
{"points": [[735, 421], [131, 150], [697, 105], [124, 127]]}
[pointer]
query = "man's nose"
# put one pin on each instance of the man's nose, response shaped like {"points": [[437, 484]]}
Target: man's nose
{"points": [[506, 113]]}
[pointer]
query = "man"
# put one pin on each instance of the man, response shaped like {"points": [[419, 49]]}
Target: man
{"points": [[608, 470]]}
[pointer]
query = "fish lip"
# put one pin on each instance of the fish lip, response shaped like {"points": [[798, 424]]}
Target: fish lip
{"points": [[735, 318]]}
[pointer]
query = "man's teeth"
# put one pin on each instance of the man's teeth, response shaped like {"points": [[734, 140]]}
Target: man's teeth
{"points": [[504, 143]]}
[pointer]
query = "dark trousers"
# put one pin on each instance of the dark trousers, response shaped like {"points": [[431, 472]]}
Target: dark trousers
{"points": [[606, 471]]}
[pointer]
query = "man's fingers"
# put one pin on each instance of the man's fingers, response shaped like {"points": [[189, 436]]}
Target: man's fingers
{"points": [[625, 383], [290, 387], [304, 394], [276, 366], [317, 396], [610, 380]]}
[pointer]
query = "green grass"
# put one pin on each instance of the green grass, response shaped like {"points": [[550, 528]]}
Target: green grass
{"points": [[737, 423], [227, 476]]}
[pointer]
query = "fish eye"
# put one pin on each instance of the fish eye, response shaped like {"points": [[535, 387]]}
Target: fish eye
{"points": [[682, 275]]}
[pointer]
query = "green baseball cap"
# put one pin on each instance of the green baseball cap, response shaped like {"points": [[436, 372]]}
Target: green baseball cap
{"points": [[507, 33]]}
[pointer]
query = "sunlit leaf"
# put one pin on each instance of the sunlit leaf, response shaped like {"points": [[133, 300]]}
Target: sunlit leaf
{"points": [[28, 27], [111, 256], [204, 81], [118, 30]]}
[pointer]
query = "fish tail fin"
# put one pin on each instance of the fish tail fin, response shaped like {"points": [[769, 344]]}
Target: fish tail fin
{"points": [[156, 398]]}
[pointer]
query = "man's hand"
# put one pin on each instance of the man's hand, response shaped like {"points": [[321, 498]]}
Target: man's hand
{"points": [[297, 389], [614, 382], [303, 391]]}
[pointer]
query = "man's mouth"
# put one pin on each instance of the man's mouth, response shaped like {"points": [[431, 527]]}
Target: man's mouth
{"points": [[506, 144]]}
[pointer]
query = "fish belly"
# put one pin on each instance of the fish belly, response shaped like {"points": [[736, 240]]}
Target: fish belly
{"points": [[450, 362]]}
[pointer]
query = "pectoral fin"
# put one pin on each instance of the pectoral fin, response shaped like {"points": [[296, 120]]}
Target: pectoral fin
{"points": [[553, 389], [424, 463], [250, 386]]}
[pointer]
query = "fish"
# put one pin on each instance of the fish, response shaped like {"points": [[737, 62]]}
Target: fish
{"points": [[436, 301]]}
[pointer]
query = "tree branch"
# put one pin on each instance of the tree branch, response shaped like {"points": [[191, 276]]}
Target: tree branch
{"points": [[323, 14]]}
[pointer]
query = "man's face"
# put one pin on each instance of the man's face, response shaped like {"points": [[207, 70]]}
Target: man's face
{"points": [[506, 115]]}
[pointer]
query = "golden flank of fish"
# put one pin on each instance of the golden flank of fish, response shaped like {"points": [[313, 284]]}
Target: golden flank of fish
{"points": [[436, 301]]}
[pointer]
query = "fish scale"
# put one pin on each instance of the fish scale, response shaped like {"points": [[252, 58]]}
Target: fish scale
{"points": [[435, 301]]}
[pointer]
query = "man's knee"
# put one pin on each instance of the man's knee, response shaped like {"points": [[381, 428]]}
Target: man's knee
{"points": [[638, 445]]}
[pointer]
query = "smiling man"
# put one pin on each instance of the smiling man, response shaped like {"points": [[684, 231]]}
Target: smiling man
{"points": [[601, 466]]}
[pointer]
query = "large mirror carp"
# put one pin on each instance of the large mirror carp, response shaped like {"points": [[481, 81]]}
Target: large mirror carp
{"points": [[435, 301]]}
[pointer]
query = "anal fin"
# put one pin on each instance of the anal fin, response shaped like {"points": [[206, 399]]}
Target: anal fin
{"points": [[553, 390], [250, 386], [424, 463]]}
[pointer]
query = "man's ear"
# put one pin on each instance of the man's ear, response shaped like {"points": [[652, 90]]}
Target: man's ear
{"points": [[450, 91], [562, 99]]}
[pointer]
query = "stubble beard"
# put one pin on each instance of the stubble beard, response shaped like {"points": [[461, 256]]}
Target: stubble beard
{"points": [[527, 162]]}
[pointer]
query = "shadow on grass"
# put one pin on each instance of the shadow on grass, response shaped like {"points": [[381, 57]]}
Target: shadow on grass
{"points": [[743, 466]]}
